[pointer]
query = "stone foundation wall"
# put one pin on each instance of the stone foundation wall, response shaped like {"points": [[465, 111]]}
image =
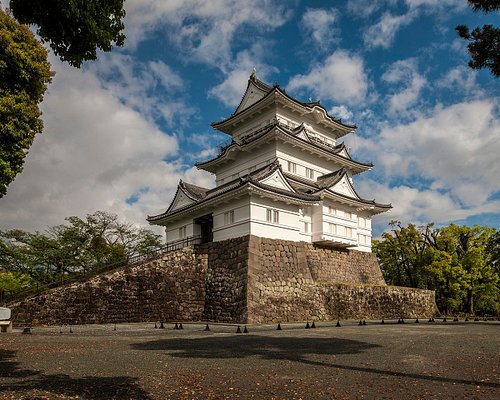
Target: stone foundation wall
{"points": [[290, 281], [226, 284], [168, 288], [242, 280]]}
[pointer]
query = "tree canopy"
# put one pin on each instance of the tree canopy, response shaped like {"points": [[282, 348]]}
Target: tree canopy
{"points": [[81, 246], [74, 29], [24, 76], [459, 262], [484, 46]]}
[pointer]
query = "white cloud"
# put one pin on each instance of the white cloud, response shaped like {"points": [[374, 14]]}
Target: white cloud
{"points": [[382, 34], [460, 80], [411, 205], [202, 30], [341, 78], [322, 24], [365, 8], [94, 154], [431, 6], [404, 72], [134, 82], [341, 112], [231, 90], [449, 157]]}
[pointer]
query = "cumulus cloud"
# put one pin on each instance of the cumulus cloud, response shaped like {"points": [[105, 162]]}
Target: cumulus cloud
{"points": [[420, 206], [322, 26], [95, 153], [447, 159], [231, 89], [341, 77], [202, 30], [365, 8], [405, 73], [152, 88], [460, 80], [341, 112], [382, 34]]}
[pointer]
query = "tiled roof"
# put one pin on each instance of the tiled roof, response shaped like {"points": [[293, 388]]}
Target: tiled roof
{"points": [[268, 89], [253, 178], [253, 136]]}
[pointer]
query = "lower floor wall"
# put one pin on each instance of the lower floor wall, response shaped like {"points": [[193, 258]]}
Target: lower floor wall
{"points": [[242, 280]]}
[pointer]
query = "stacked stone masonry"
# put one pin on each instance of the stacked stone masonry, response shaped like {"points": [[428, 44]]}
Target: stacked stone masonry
{"points": [[243, 280]]}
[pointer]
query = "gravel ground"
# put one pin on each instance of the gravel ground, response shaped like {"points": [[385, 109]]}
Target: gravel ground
{"points": [[453, 360]]}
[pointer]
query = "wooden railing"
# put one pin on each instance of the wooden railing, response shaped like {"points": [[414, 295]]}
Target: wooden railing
{"points": [[8, 296]]}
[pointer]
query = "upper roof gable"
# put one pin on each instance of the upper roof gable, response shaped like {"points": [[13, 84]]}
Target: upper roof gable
{"points": [[338, 182], [277, 179], [265, 95], [186, 194], [255, 91]]}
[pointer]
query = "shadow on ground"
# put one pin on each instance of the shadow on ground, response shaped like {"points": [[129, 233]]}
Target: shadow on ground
{"points": [[287, 348], [284, 348], [42, 386]]}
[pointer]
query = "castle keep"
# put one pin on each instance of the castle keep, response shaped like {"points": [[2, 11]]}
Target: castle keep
{"points": [[283, 236]]}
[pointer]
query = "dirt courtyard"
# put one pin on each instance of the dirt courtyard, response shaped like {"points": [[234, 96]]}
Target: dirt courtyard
{"points": [[442, 360]]}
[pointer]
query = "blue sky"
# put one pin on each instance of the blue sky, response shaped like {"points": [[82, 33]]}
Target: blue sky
{"points": [[122, 131]]}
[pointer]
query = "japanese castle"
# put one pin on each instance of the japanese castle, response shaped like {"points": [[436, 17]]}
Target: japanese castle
{"points": [[285, 175]]}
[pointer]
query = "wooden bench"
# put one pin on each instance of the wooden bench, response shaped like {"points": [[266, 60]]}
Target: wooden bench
{"points": [[5, 322], [6, 326]]}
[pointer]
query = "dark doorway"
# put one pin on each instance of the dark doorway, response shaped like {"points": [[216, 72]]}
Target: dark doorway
{"points": [[206, 223]]}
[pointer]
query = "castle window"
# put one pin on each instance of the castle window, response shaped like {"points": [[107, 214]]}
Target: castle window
{"points": [[182, 232], [332, 228], [348, 232], [229, 217], [272, 216], [306, 227], [292, 167], [348, 214], [309, 173]]}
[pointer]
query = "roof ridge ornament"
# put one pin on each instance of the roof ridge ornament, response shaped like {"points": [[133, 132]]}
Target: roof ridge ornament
{"points": [[253, 76]]}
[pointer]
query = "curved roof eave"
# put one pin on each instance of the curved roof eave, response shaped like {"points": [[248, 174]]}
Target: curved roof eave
{"points": [[355, 165], [243, 186], [224, 124], [365, 204]]}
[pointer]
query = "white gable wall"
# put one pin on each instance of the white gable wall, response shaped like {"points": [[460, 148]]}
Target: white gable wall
{"points": [[181, 200]]}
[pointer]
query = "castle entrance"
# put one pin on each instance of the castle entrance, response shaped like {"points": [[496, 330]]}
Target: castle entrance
{"points": [[206, 223]]}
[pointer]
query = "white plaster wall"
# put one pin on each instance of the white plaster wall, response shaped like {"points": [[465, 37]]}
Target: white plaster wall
{"points": [[172, 230], [287, 228], [241, 224], [257, 122], [285, 152], [243, 164], [309, 123]]}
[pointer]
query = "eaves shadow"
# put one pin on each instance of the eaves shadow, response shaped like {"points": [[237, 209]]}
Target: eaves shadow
{"points": [[21, 382], [242, 346]]}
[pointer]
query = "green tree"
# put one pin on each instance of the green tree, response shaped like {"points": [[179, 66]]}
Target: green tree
{"points": [[484, 46], [24, 76], [402, 255], [74, 29], [14, 280], [82, 246], [458, 262]]}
